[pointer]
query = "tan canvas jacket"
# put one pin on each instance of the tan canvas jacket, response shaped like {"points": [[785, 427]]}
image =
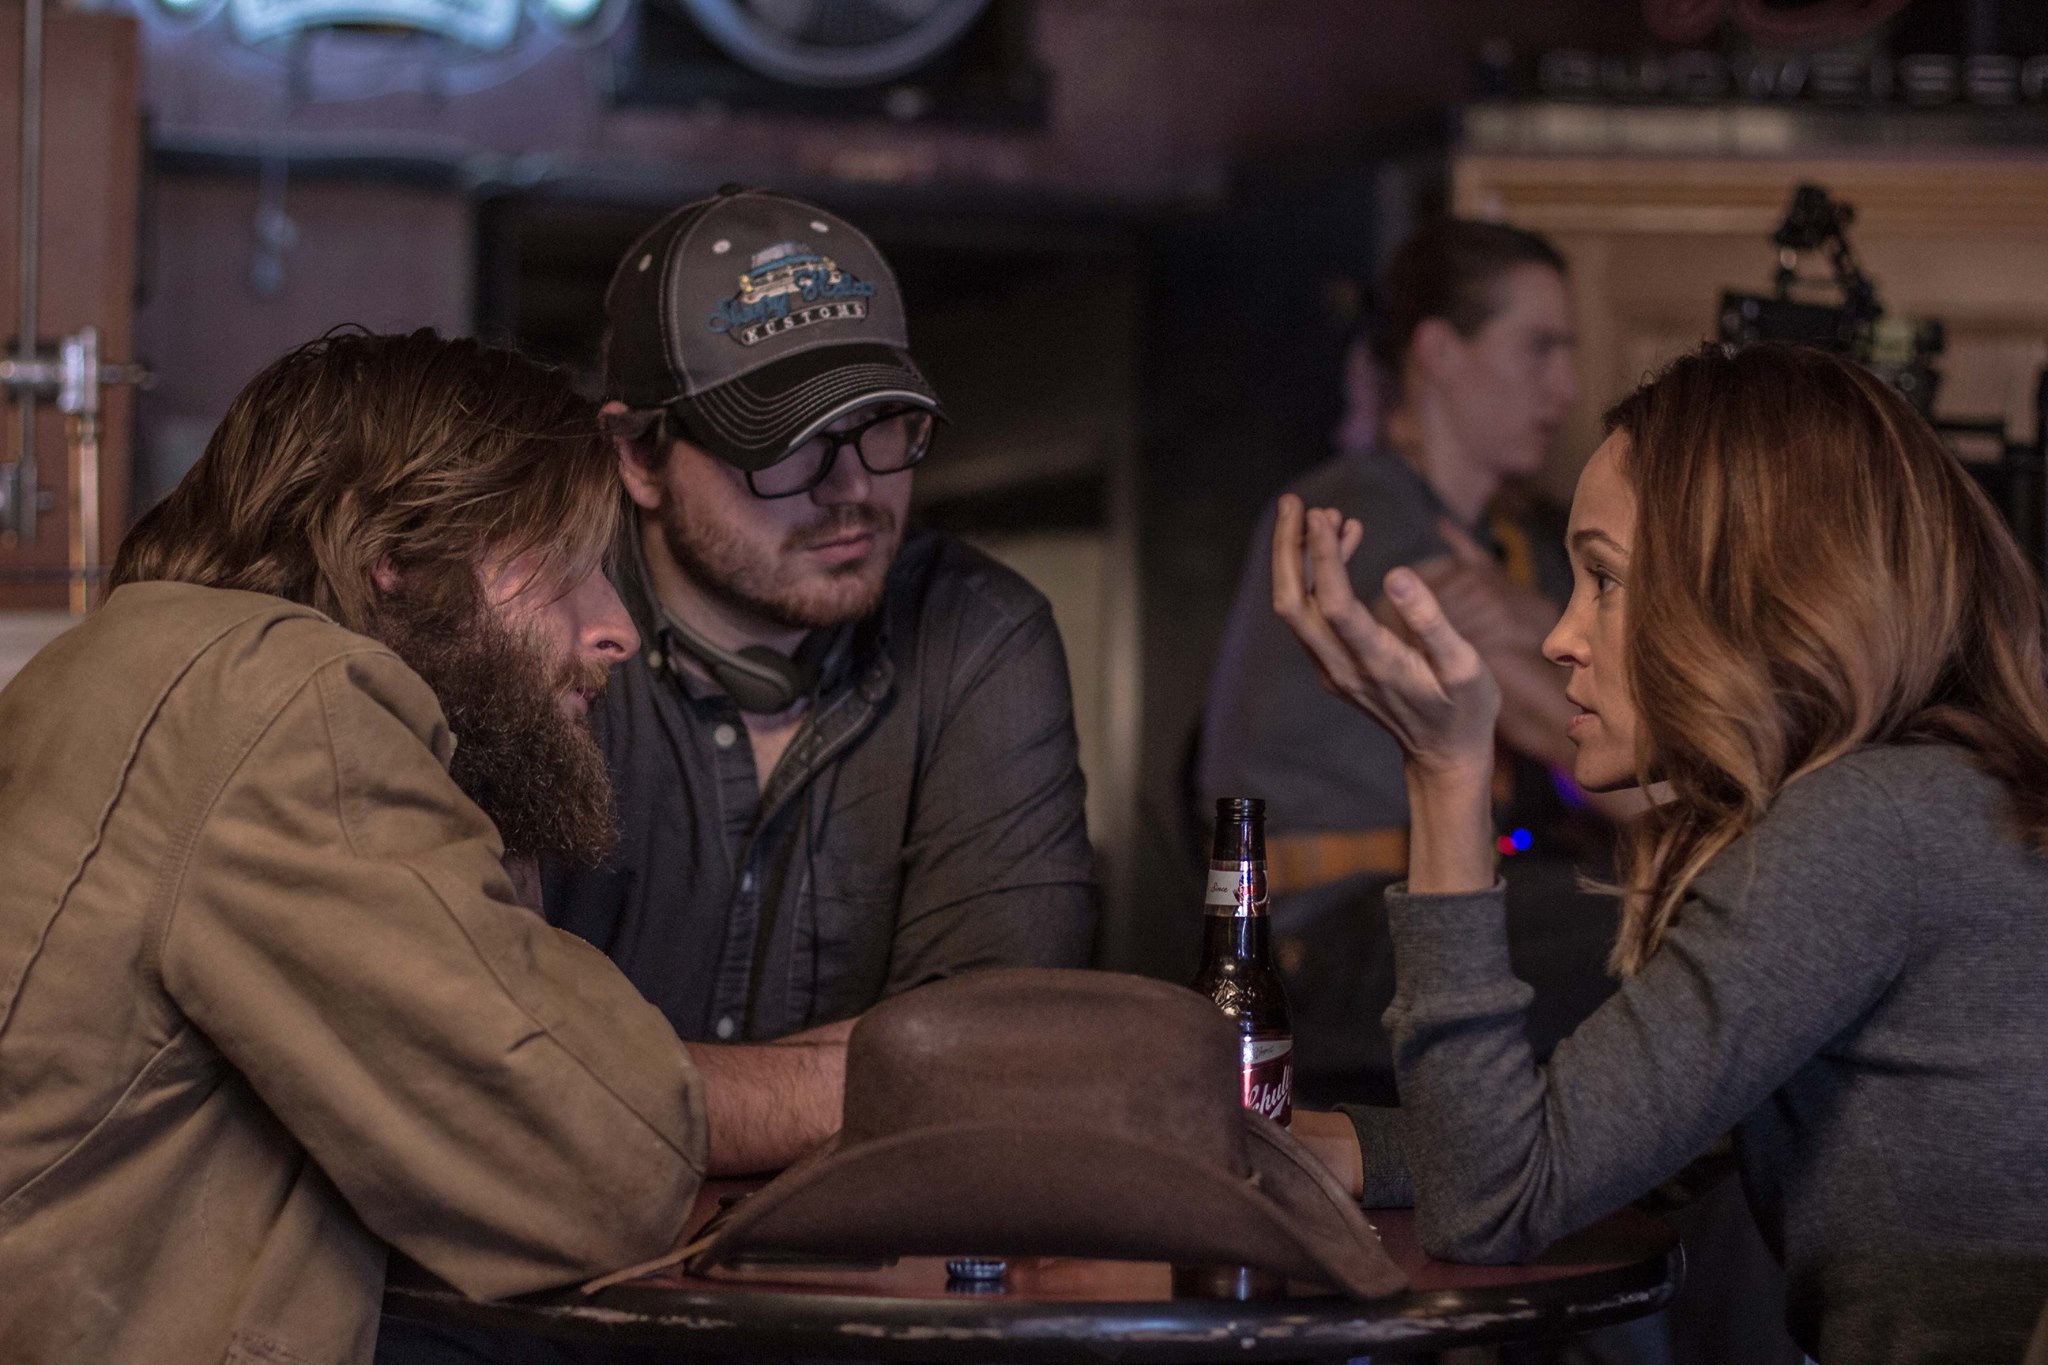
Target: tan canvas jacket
{"points": [[268, 1004]]}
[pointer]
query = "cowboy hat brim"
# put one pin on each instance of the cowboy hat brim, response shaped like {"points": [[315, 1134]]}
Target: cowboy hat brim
{"points": [[1011, 1189]]}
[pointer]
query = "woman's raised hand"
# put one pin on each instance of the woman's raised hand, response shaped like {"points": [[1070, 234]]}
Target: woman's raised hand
{"points": [[1434, 695]]}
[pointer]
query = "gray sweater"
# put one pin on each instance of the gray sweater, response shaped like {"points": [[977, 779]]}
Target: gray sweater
{"points": [[1858, 989]]}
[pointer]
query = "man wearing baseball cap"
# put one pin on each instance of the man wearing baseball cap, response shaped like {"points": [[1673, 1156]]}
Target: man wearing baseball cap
{"points": [[845, 754]]}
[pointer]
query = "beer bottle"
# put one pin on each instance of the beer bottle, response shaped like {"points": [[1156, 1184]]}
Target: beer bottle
{"points": [[1237, 969]]}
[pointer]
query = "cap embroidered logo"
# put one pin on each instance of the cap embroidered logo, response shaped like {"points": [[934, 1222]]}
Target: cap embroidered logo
{"points": [[790, 286]]}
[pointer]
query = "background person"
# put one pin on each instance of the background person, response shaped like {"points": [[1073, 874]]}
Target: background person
{"points": [[1459, 388], [845, 754], [1794, 608], [271, 1004]]}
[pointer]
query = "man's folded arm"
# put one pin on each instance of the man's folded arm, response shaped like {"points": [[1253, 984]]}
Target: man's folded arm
{"points": [[772, 1102], [489, 1094]]}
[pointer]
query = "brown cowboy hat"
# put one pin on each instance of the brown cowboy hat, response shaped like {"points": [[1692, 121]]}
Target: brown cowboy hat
{"points": [[1030, 1112]]}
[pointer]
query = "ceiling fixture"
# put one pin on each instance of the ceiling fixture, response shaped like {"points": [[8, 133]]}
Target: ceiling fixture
{"points": [[834, 43]]}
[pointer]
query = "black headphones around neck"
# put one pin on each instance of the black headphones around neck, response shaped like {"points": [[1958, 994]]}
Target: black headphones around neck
{"points": [[759, 679]]}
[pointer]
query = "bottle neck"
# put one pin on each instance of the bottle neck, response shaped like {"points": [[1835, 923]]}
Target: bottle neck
{"points": [[1239, 840], [1236, 923]]}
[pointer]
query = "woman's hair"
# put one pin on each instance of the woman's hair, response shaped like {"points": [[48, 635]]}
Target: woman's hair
{"points": [[423, 452], [1813, 570], [1449, 269]]}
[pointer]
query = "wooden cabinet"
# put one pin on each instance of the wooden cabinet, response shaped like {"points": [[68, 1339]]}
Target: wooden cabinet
{"points": [[91, 125], [1959, 236]]}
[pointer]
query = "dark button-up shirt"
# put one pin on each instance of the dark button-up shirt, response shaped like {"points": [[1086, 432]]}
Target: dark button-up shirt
{"points": [[925, 819]]}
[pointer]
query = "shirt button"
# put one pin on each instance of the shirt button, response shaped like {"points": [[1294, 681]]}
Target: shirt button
{"points": [[726, 1028], [747, 883], [654, 658], [724, 736]]}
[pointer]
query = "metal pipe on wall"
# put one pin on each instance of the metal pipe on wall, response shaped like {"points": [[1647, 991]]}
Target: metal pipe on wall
{"points": [[78, 396]]}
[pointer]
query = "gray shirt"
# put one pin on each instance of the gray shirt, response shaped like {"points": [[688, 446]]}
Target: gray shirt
{"points": [[1858, 988], [1268, 728], [926, 818]]}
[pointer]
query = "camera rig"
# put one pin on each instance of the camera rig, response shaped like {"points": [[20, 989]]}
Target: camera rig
{"points": [[1902, 351], [1899, 350]]}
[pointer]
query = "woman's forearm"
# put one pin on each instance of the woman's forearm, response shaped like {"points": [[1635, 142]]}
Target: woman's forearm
{"points": [[1334, 1140], [1450, 829]]}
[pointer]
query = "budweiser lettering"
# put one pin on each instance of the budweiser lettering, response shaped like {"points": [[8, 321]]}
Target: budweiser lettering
{"points": [[1237, 969]]}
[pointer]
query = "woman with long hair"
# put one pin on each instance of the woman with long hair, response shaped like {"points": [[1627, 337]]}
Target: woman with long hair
{"points": [[1796, 615]]}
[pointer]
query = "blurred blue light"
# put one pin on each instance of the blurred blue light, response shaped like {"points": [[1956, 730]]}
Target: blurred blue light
{"points": [[570, 11]]}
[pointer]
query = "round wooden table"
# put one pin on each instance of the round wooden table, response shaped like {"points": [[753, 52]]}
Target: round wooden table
{"points": [[1057, 1309]]}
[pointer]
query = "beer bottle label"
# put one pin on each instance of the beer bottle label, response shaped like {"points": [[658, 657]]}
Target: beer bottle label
{"points": [[1268, 1069], [1236, 889]]}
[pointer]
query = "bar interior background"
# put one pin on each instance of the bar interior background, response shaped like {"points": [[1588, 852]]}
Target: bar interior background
{"points": [[1132, 234]]}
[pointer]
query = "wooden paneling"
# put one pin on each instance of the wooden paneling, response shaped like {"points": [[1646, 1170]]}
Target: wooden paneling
{"points": [[91, 153], [1653, 242], [388, 257]]}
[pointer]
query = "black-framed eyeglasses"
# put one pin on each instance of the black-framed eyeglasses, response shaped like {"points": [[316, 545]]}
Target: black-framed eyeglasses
{"points": [[887, 444]]}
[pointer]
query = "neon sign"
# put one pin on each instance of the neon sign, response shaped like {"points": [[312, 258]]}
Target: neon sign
{"points": [[482, 24]]}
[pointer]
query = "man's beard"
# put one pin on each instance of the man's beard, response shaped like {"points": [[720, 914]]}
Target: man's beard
{"points": [[537, 773], [735, 573]]}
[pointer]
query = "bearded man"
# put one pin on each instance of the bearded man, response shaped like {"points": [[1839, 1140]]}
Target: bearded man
{"points": [[845, 755], [270, 1003]]}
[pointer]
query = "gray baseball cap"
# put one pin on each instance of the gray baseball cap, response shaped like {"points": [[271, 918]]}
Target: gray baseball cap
{"points": [[756, 320]]}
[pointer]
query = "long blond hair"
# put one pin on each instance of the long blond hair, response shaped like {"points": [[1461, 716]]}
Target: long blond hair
{"points": [[420, 451], [1812, 571]]}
